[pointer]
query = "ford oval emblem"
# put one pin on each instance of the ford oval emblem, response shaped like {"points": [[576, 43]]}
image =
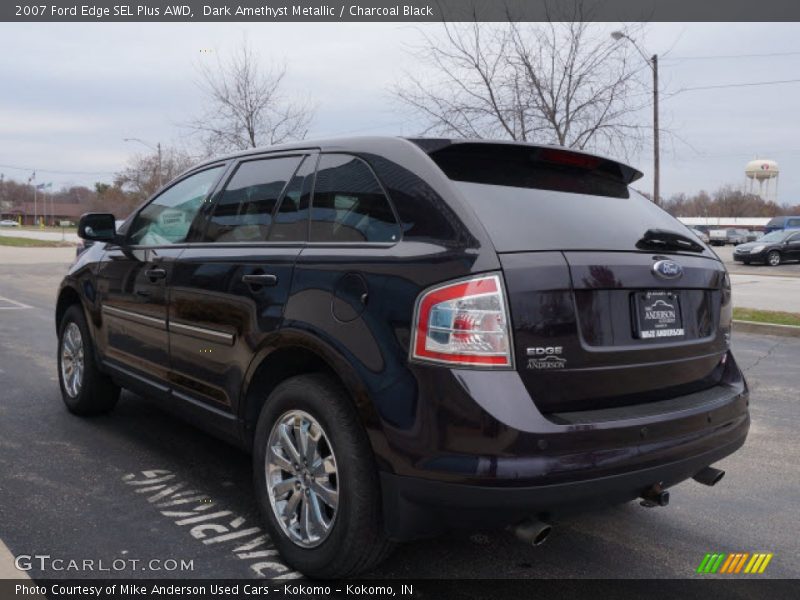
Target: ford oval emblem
{"points": [[667, 269]]}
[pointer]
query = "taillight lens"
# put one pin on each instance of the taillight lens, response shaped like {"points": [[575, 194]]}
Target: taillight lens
{"points": [[726, 289], [463, 323]]}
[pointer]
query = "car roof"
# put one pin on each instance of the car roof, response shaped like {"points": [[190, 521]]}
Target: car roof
{"points": [[427, 145]]}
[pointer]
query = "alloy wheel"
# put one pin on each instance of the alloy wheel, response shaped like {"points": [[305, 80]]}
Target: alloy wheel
{"points": [[302, 478], [72, 359]]}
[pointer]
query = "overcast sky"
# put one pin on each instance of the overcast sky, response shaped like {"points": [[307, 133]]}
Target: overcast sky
{"points": [[70, 93]]}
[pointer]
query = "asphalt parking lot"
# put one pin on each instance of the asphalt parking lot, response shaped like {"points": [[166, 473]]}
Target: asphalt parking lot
{"points": [[141, 485]]}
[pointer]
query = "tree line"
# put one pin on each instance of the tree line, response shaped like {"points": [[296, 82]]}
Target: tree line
{"points": [[728, 201]]}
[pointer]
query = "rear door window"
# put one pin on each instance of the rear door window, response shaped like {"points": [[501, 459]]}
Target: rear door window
{"points": [[349, 204], [245, 209], [290, 223], [793, 223]]}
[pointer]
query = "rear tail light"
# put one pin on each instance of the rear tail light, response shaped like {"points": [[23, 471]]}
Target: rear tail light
{"points": [[463, 323], [726, 289]]}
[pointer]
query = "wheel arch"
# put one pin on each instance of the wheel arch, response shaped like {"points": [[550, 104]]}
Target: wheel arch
{"points": [[297, 353], [67, 296]]}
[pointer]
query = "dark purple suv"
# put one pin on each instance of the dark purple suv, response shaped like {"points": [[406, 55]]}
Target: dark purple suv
{"points": [[414, 334]]}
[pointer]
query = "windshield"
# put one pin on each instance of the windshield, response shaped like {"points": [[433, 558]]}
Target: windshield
{"points": [[775, 236]]}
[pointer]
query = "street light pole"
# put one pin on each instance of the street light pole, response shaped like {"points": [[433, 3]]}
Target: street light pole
{"points": [[160, 183], [652, 62], [157, 148]]}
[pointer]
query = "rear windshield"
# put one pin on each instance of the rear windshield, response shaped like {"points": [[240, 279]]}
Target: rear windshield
{"points": [[520, 220], [532, 198], [534, 168]]}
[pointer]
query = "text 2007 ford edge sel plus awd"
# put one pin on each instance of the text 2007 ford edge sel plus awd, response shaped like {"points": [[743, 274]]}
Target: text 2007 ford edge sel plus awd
{"points": [[414, 334]]}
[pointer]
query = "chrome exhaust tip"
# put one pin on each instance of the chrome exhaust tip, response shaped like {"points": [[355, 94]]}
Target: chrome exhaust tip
{"points": [[655, 495], [533, 532], [709, 476]]}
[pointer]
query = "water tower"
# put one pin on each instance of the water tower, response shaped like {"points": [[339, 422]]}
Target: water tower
{"points": [[764, 174]]}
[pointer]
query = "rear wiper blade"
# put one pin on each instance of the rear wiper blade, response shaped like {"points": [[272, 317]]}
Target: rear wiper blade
{"points": [[663, 239]]}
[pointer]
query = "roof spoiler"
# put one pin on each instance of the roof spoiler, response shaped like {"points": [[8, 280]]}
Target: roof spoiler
{"points": [[555, 155]]}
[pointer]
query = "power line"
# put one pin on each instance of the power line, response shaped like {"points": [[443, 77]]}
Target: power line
{"points": [[734, 85], [53, 172], [727, 56]]}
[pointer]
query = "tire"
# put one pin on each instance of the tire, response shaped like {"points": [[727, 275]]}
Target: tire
{"points": [[773, 258], [747, 262], [91, 392], [355, 540]]}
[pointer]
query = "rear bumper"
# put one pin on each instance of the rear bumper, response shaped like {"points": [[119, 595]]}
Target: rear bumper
{"points": [[499, 465], [415, 508]]}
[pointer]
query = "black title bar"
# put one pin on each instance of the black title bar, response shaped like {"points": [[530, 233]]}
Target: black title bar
{"points": [[402, 10], [473, 589]]}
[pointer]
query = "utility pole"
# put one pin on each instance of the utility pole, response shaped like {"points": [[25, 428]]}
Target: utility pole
{"points": [[652, 62], [656, 153]]}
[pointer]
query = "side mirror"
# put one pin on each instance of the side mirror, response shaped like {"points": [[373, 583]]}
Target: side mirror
{"points": [[97, 227]]}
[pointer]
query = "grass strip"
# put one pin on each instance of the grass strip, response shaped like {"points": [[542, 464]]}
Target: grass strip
{"points": [[766, 316], [21, 242]]}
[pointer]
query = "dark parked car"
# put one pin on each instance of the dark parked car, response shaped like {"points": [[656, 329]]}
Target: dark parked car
{"points": [[771, 249], [412, 335]]}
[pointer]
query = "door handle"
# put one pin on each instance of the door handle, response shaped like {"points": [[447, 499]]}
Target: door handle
{"points": [[259, 279], [156, 273]]}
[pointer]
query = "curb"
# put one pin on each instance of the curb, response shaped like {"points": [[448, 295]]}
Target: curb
{"points": [[766, 328]]}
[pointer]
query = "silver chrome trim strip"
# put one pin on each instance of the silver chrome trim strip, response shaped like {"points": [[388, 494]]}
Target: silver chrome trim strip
{"points": [[201, 332], [134, 316]]}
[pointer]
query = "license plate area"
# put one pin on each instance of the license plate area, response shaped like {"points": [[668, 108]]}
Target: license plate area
{"points": [[658, 315]]}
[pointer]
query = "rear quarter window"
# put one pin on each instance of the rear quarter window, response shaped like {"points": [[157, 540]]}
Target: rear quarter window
{"points": [[349, 204]]}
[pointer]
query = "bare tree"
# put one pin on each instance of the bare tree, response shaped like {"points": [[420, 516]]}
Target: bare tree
{"points": [[141, 176], [567, 83], [246, 105]]}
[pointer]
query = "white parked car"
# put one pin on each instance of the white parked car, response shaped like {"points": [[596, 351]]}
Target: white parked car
{"points": [[8, 223], [700, 234], [723, 237]]}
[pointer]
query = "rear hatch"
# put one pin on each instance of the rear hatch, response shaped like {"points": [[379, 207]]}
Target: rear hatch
{"points": [[612, 301]]}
